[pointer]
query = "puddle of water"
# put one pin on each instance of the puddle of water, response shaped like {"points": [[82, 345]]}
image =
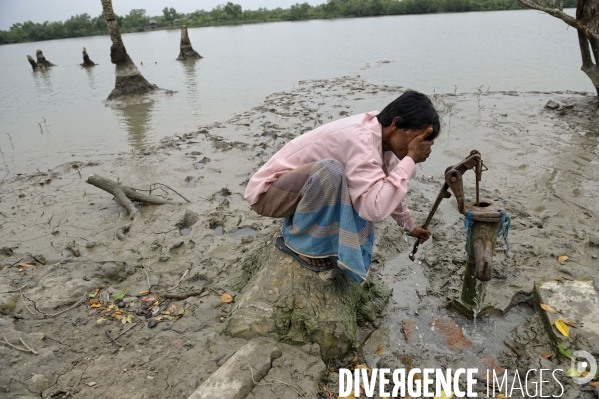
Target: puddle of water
{"points": [[210, 170], [423, 312], [245, 231], [185, 231], [191, 183], [218, 229], [222, 194], [199, 165]]}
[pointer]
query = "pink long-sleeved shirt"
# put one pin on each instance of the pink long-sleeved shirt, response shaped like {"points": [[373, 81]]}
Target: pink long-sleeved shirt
{"points": [[356, 142]]}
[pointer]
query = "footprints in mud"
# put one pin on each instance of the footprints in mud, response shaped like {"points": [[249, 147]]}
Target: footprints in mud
{"points": [[191, 181], [189, 219], [216, 222]]}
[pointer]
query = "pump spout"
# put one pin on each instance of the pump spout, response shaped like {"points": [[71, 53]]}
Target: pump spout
{"points": [[483, 255]]}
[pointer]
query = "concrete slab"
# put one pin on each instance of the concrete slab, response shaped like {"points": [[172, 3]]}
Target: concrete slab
{"points": [[574, 300], [237, 377]]}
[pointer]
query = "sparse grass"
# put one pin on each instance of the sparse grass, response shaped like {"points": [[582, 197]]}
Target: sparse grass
{"points": [[450, 107], [479, 91]]}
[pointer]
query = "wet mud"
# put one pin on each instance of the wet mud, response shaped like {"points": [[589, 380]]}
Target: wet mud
{"points": [[62, 239]]}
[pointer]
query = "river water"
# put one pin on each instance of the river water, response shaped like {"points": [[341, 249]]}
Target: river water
{"points": [[61, 114]]}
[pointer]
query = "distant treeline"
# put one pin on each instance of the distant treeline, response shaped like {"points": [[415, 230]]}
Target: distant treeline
{"points": [[233, 14]]}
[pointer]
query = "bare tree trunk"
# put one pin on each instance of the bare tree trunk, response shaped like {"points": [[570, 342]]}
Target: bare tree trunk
{"points": [[187, 52], [591, 69], [86, 61], [587, 25], [42, 62], [588, 11], [129, 81]]}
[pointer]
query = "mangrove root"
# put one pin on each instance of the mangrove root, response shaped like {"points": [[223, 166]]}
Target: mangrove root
{"points": [[187, 52], [124, 194]]}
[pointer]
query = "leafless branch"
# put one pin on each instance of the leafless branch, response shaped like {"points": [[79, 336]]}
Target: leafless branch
{"points": [[557, 13], [28, 348], [160, 184], [181, 279]]}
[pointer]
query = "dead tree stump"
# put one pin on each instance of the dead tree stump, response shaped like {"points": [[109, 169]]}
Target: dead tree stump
{"points": [[124, 194], [283, 300], [129, 81], [187, 52], [42, 61], [86, 61], [32, 62]]}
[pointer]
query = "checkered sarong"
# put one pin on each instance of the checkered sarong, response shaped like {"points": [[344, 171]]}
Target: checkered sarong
{"points": [[325, 224]]}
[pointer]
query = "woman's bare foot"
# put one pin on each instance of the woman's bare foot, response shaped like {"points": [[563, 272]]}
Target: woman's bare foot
{"points": [[322, 262]]}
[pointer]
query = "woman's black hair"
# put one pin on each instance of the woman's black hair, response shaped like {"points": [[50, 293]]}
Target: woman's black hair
{"points": [[412, 110]]}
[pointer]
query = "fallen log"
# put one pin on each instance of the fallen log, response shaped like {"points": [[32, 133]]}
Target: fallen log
{"points": [[287, 302], [86, 61], [187, 52], [124, 194]]}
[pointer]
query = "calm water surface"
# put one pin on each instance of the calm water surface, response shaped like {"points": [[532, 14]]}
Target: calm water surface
{"points": [[52, 117]]}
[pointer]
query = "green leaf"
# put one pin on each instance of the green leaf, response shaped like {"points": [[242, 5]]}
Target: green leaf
{"points": [[181, 311], [92, 294], [118, 295], [564, 351], [573, 372], [130, 318], [100, 320]]}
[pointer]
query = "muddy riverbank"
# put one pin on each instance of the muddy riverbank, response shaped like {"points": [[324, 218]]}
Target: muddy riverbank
{"points": [[62, 239]]}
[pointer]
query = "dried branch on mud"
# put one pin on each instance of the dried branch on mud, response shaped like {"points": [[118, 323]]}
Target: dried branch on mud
{"points": [[184, 295], [124, 194], [28, 348], [512, 348], [79, 302], [112, 339]]}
